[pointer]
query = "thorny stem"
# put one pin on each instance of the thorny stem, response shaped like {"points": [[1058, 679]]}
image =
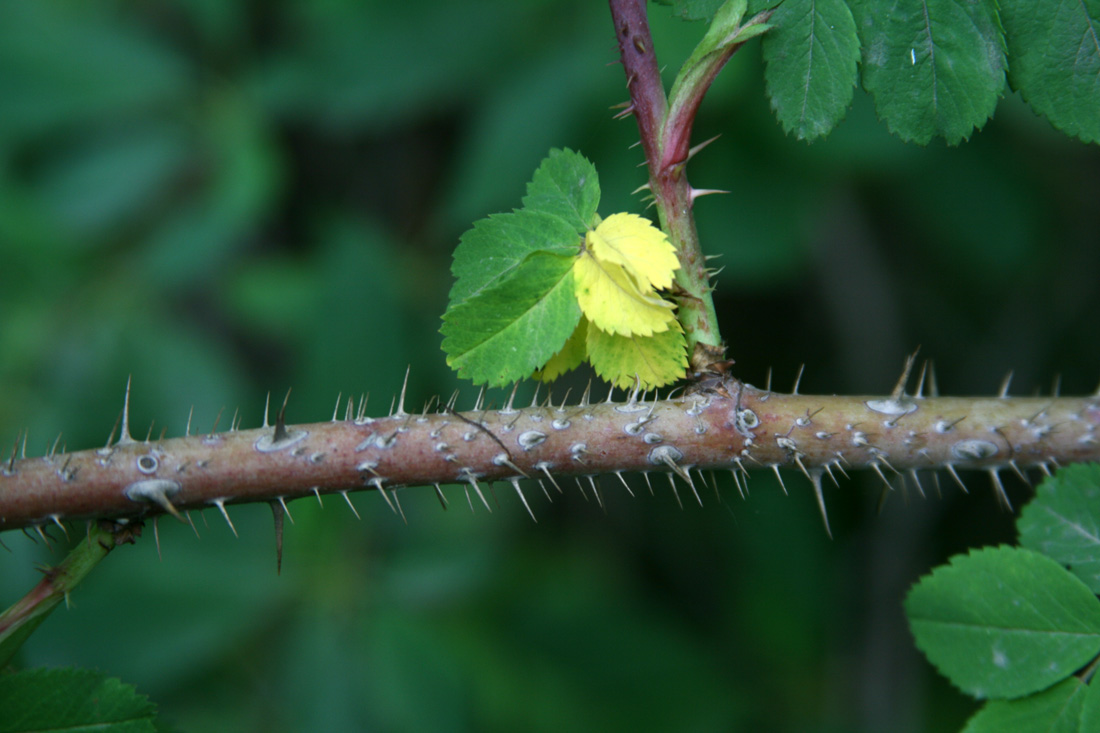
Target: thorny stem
{"points": [[24, 616], [665, 136], [721, 424]]}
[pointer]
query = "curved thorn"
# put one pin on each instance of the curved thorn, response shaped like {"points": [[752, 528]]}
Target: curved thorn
{"points": [[798, 378], [1003, 394], [278, 510]]}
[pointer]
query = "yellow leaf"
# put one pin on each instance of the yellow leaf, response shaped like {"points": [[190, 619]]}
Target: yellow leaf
{"points": [[655, 360], [638, 247], [611, 300], [569, 358]]}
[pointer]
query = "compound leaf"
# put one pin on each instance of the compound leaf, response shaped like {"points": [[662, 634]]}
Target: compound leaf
{"points": [[811, 54], [490, 252], [654, 360], [934, 67], [1063, 521], [1004, 622], [508, 330], [565, 185], [1054, 60]]}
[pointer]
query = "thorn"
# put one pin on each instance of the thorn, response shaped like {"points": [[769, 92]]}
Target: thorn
{"points": [[916, 481], [397, 501], [696, 149], [1056, 387], [278, 510], [156, 536], [815, 479], [881, 475], [361, 412], [480, 401], [775, 467], [544, 491], [14, 448], [519, 492], [235, 423], [220, 504], [768, 381], [286, 509], [798, 379], [336, 409], [468, 499], [829, 470], [919, 394], [625, 112], [356, 511], [588, 391], [45, 537], [193, 527], [442, 498], [1004, 386], [280, 421], [542, 466], [899, 388], [737, 483], [580, 488], [1002, 496], [955, 475], [508, 408], [672, 483], [161, 499], [596, 491], [933, 388], [218, 420], [684, 475], [645, 475], [503, 460], [610, 394], [267, 406], [639, 189], [317, 492], [57, 520], [53, 448], [1044, 468], [477, 487], [114, 429], [698, 193], [451, 402], [124, 435], [535, 397], [625, 484]]}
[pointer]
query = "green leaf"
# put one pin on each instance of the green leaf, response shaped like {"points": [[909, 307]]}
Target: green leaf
{"points": [[1063, 521], [507, 331], [1090, 711], [935, 67], [1054, 60], [1054, 710], [569, 357], [1004, 622], [565, 185], [71, 699], [490, 252], [811, 54]]}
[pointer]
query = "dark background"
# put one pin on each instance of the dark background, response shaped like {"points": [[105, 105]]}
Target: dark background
{"points": [[226, 199]]}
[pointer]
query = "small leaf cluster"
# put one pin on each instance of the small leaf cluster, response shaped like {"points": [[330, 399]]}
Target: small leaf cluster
{"points": [[1020, 626], [934, 68], [543, 288]]}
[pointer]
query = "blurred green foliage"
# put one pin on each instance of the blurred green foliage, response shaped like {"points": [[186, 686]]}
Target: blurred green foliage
{"points": [[227, 199]]}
